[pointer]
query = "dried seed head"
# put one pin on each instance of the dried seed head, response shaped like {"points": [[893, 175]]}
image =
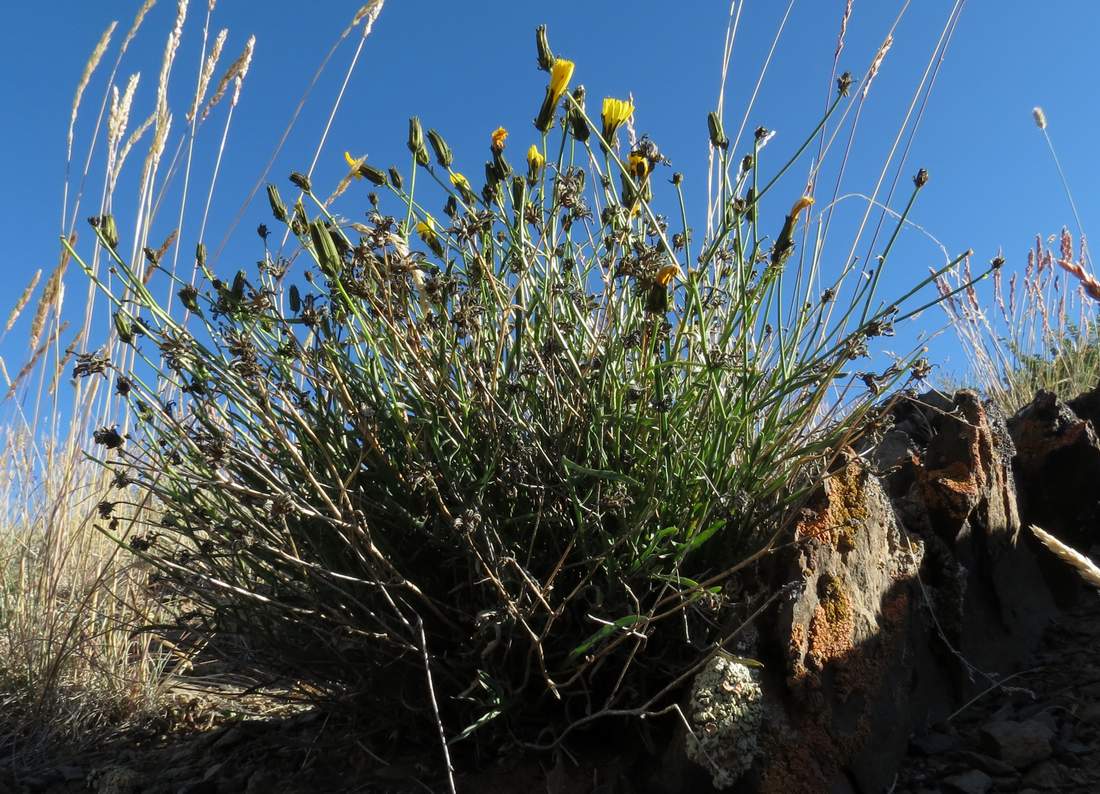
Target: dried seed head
{"points": [[1040, 117]]}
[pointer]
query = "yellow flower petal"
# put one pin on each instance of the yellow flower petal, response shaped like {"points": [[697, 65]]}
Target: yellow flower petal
{"points": [[560, 75], [499, 136]]}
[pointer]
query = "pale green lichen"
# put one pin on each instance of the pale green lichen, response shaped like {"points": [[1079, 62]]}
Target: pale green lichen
{"points": [[725, 713]]}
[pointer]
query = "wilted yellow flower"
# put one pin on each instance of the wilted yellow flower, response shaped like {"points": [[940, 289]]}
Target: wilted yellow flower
{"points": [[560, 75], [666, 274], [803, 203], [535, 162], [615, 113], [638, 166], [497, 139]]}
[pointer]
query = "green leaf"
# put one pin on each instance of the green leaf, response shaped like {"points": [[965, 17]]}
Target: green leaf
{"points": [[600, 474], [605, 631]]}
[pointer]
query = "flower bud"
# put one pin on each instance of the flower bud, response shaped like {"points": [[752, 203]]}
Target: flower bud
{"points": [[542, 45], [395, 178], [301, 181], [576, 118], [921, 179], [442, 151], [535, 164], [718, 137], [278, 208]]}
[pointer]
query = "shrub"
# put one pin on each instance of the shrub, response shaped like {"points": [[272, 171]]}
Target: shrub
{"points": [[492, 473]]}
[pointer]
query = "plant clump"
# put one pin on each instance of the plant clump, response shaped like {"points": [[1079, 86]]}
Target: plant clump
{"points": [[486, 470]]}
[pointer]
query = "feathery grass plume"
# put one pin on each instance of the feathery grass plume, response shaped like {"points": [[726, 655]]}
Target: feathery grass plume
{"points": [[1084, 566], [876, 63], [85, 78], [119, 114], [46, 302], [237, 69], [135, 136], [24, 299], [35, 357], [207, 73], [1040, 117]]}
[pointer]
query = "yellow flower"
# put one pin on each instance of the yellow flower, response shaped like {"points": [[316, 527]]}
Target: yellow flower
{"points": [[666, 274], [803, 203], [615, 114], [560, 75], [535, 162], [497, 139], [463, 185], [354, 163], [638, 166], [426, 228], [459, 181]]}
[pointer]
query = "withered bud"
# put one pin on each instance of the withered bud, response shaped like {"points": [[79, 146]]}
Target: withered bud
{"points": [[301, 181], [844, 83], [921, 179]]}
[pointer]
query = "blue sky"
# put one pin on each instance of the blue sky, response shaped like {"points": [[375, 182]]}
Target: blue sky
{"points": [[466, 68]]}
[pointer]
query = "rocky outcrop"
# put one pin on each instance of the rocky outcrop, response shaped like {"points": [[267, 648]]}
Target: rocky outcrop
{"points": [[919, 589], [1058, 465]]}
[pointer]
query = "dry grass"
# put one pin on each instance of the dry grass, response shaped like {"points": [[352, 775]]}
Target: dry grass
{"points": [[1075, 559], [73, 602]]}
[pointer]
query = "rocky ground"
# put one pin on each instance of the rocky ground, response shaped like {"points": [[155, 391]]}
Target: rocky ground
{"points": [[1040, 733]]}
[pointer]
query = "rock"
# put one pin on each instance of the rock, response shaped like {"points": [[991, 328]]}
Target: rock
{"points": [[1020, 744], [1045, 775], [117, 780], [935, 743], [725, 713], [989, 765], [972, 782], [1058, 464]]}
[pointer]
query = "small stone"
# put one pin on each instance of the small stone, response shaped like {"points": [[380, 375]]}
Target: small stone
{"points": [[989, 765], [972, 782], [935, 743], [1020, 744], [1045, 775]]}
